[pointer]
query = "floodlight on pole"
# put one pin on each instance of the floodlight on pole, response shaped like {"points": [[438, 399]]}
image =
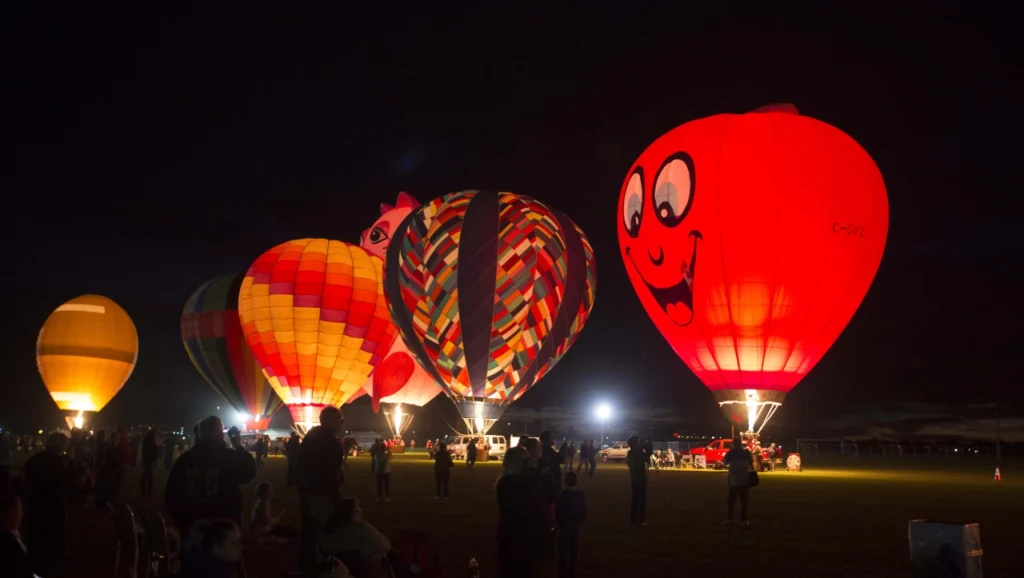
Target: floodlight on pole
{"points": [[603, 412]]}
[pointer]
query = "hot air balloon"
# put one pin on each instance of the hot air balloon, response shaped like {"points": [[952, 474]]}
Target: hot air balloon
{"points": [[86, 350], [313, 312], [751, 240], [489, 290], [212, 334], [398, 380]]}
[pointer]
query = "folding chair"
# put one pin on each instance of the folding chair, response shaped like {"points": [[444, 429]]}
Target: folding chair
{"points": [[163, 556], [127, 558]]}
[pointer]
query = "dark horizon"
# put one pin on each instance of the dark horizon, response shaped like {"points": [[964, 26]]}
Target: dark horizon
{"points": [[151, 158]]}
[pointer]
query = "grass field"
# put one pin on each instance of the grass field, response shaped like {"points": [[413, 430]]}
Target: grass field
{"points": [[849, 521]]}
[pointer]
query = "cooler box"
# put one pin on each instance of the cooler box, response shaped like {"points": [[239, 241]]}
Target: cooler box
{"points": [[945, 549]]}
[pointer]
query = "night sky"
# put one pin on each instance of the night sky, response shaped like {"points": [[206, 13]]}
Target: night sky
{"points": [[154, 151]]}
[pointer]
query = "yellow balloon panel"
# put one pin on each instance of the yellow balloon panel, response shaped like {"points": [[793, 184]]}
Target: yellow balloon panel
{"points": [[86, 351]]}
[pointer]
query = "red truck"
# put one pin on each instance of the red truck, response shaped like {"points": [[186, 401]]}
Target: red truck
{"points": [[716, 450]]}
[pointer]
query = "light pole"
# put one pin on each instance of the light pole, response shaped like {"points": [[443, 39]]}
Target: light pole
{"points": [[603, 412]]}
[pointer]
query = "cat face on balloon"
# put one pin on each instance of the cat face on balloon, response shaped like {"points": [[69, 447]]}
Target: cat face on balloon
{"points": [[377, 238], [658, 234]]}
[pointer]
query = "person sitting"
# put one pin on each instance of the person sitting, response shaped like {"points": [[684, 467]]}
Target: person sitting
{"points": [[265, 519], [215, 551], [360, 546]]}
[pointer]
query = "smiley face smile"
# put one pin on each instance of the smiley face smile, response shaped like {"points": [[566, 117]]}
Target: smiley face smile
{"points": [[677, 300]]}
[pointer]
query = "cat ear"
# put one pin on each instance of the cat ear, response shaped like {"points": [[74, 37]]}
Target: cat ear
{"points": [[406, 201], [385, 208]]}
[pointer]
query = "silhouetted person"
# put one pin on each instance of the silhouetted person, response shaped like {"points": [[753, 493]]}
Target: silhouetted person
{"points": [[471, 453], [319, 477], [291, 453], [570, 511], [521, 522], [205, 482], [14, 558], [48, 481], [150, 454], [740, 463], [551, 462], [442, 471], [637, 460]]}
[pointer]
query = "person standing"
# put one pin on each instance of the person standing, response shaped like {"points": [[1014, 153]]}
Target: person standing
{"points": [[551, 463], [570, 512], [471, 453], [570, 456], [48, 481], [591, 459], [442, 471], [382, 471], [291, 453], [740, 463], [205, 482], [150, 452], [637, 461], [319, 477]]}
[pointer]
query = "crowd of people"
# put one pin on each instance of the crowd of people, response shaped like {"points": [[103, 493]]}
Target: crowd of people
{"points": [[540, 508]]}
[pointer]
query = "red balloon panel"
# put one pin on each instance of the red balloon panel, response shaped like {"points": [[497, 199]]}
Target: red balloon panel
{"points": [[751, 241]]}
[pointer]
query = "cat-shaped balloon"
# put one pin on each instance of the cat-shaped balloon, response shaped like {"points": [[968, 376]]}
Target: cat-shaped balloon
{"points": [[398, 378]]}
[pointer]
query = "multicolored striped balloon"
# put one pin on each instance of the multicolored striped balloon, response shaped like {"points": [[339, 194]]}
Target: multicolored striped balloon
{"points": [[314, 314], [489, 290], [212, 334]]}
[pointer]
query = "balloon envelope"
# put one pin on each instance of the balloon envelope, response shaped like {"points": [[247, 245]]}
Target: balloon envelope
{"points": [[489, 290], [751, 240], [313, 312], [212, 333], [86, 351]]}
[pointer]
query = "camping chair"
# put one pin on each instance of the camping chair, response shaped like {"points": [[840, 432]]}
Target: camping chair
{"points": [[161, 552], [418, 548], [127, 557]]}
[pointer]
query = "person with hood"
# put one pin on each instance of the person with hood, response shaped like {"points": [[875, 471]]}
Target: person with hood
{"points": [[319, 476], [205, 482]]}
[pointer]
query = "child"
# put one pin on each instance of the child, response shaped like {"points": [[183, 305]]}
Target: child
{"points": [[442, 470], [217, 553], [570, 511], [265, 517]]}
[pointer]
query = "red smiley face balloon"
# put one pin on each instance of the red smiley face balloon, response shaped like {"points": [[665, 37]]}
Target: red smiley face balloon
{"points": [[751, 240]]}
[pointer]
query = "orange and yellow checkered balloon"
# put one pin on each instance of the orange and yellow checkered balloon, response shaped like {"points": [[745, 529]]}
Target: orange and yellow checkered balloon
{"points": [[314, 315]]}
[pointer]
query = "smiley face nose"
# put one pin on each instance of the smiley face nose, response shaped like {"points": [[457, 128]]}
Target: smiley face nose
{"points": [[656, 258]]}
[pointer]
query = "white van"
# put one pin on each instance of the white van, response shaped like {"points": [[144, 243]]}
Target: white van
{"points": [[495, 446]]}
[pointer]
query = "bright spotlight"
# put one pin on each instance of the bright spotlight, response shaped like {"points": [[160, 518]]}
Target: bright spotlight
{"points": [[243, 417], [603, 411]]}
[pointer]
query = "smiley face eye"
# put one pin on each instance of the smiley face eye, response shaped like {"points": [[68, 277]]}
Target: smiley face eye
{"points": [[633, 204], [673, 189], [377, 235]]}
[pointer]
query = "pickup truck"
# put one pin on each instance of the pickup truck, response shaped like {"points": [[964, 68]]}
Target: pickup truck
{"points": [[615, 452], [716, 450]]}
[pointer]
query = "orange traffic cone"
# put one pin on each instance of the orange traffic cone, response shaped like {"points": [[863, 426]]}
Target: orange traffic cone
{"points": [[999, 478]]}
